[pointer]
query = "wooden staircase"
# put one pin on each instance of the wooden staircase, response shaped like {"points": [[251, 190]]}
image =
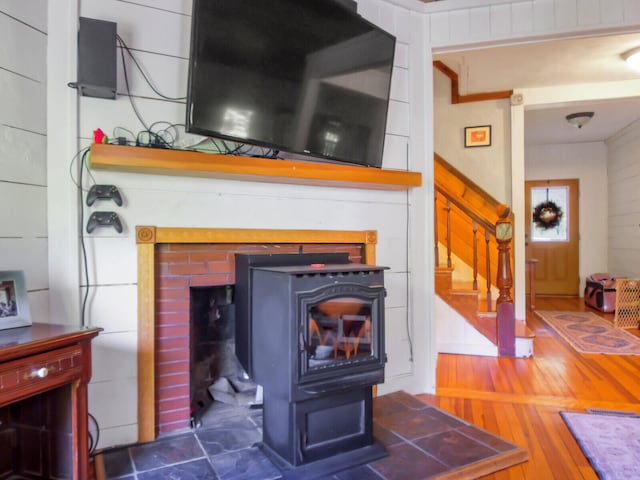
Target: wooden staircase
{"points": [[463, 213]]}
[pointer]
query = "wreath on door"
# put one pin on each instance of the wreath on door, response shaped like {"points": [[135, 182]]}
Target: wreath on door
{"points": [[547, 215]]}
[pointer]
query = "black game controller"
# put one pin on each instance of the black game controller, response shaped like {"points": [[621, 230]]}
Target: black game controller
{"points": [[104, 219], [104, 192]]}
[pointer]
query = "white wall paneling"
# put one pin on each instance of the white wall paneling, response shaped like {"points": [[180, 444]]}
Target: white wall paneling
{"points": [[522, 18], [115, 356], [114, 404], [22, 156], [23, 102], [623, 171], [32, 40], [33, 12], [501, 20], [456, 335], [113, 308], [396, 152], [62, 145], [23, 184], [510, 20], [397, 343], [30, 255], [26, 218]]}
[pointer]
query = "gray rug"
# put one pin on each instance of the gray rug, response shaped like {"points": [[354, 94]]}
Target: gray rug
{"points": [[611, 443]]}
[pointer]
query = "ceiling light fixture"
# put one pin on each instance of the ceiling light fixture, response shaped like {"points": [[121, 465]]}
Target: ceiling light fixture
{"points": [[632, 57], [579, 119]]}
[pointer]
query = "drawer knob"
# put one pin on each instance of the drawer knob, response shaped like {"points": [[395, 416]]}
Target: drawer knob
{"points": [[39, 373]]}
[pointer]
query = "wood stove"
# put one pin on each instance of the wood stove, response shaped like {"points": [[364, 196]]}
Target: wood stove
{"points": [[317, 349]]}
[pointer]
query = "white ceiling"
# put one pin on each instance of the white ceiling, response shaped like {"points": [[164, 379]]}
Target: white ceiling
{"points": [[562, 62]]}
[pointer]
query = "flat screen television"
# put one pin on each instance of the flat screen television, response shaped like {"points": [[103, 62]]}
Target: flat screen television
{"points": [[309, 77]]}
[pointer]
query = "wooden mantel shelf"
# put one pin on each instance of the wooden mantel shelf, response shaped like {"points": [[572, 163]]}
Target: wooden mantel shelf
{"points": [[233, 167]]}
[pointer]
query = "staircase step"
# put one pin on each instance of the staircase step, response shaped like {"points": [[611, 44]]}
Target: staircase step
{"points": [[467, 301]]}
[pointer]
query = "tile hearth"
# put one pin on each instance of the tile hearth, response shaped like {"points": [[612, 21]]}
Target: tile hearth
{"points": [[423, 442]]}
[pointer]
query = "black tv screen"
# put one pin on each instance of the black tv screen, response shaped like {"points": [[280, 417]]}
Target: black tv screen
{"points": [[310, 77]]}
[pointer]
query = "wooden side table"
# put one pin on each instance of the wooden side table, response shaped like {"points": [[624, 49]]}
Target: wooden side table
{"points": [[44, 372]]}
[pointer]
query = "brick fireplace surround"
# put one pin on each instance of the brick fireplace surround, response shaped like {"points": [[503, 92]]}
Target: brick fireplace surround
{"points": [[170, 261]]}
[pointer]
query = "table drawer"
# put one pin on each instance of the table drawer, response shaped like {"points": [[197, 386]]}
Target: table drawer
{"points": [[25, 376]]}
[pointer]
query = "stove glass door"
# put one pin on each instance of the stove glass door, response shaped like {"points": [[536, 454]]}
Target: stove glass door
{"points": [[339, 330]]}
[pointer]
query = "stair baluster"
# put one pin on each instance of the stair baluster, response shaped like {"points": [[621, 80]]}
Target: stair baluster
{"points": [[487, 240], [435, 226], [475, 255], [448, 209]]}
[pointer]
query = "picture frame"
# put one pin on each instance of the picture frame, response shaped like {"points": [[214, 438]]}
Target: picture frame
{"points": [[478, 136], [14, 307]]}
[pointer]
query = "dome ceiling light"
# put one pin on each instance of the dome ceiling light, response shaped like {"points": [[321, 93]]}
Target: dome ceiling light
{"points": [[579, 119]]}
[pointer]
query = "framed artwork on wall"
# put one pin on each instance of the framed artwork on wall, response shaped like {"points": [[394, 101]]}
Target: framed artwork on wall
{"points": [[479, 136], [14, 308]]}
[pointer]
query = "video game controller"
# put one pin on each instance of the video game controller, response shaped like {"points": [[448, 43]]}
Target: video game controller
{"points": [[104, 219], [104, 192]]}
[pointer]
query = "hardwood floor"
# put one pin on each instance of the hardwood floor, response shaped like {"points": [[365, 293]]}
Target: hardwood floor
{"points": [[520, 399]]}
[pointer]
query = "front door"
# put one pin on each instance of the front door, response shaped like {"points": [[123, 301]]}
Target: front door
{"points": [[552, 235]]}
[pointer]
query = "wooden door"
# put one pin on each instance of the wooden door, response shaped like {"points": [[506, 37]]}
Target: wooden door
{"points": [[552, 235]]}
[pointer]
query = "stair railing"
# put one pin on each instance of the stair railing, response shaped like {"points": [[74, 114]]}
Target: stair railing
{"points": [[476, 221]]}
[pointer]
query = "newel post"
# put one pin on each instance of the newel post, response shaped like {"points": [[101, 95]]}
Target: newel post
{"points": [[504, 304]]}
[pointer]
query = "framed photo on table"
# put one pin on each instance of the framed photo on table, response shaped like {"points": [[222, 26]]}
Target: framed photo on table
{"points": [[14, 307], [477, 136]]}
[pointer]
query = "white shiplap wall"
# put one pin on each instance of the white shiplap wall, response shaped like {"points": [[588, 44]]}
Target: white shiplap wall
{"points": [[23, 160], [159, 33], [458, 23], [159, 36], [623, 172]]}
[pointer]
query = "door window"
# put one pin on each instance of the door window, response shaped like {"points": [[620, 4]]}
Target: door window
{"points": [[549, 214]]}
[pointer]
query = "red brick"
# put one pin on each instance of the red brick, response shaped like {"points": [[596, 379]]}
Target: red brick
{"points": [[218, 267], [176, 343], [211, 280], [173, 367], [171, 331], [172, 318], [223, 247], [175, 380], [188, 269], [163, 269], [180, 391], [169, 356], [181, 307], [166, 418], [174, 404], [167, 282], [173, 294], [174, 426], [209, 256], [189, 247], [172, 257]]}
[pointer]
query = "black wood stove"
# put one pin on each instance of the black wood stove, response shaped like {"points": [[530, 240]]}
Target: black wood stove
{"points": [[317, 349]]}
